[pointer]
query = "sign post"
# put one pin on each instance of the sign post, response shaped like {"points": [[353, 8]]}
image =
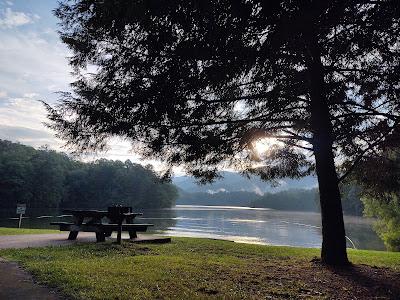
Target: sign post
{"points": [[21, 208]]}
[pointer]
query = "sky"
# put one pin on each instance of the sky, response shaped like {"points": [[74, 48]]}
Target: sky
{"points": [[33, 67]]}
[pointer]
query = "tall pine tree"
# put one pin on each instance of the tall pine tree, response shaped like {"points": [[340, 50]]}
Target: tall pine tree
{"points": [[197, 82]]}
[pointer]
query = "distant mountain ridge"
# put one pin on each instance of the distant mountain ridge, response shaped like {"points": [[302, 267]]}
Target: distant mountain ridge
{"points": [[234, 182]]}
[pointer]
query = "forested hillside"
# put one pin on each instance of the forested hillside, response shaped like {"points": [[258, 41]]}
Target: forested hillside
{"points": [[236, 198], [293, 199], [234, 182], [48, 179]]}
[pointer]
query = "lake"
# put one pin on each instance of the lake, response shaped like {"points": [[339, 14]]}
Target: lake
{"points": [[240, 224]]}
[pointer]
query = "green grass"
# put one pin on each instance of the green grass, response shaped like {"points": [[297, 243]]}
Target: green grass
{"points": [[376, 258], [191, 268], [17, 231]]}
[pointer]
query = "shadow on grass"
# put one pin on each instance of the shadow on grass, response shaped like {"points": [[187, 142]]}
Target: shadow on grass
{"points": [[365, 281]]}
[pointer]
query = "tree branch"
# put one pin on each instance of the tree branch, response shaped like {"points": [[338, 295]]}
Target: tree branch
{"points": [[296, 145], [357, 160]]}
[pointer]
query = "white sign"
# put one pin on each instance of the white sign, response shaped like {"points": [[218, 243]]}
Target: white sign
{"points": [[21, 208]]}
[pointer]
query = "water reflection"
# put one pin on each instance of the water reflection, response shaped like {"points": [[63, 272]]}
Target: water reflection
{"points": [[250, 225], [265, 226]]}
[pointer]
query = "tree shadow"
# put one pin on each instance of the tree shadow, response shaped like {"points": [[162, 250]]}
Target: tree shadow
{"points": [[377, 281]]}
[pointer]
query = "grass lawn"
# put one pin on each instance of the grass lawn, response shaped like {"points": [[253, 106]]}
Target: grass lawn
{"points": [[191, 268], [16, 231]]}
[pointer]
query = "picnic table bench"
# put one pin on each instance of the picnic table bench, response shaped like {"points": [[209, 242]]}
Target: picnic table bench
{"points": [[94, 223]]}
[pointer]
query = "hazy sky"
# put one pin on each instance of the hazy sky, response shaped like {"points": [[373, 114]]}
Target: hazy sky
{"points": [[33, 66]]}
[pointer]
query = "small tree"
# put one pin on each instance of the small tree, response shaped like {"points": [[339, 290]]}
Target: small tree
{"points": [[381, 191], [386, 208], [196, 83]]}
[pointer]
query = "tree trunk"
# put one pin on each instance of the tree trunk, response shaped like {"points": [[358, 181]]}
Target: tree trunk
{"points": [[333, 233]]}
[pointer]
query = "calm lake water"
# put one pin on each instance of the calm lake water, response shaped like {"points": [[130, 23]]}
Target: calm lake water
{"points": [[240, 224]]}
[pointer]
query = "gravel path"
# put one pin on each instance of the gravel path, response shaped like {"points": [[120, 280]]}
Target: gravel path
{"points": [[43, 240], [60, 239]]}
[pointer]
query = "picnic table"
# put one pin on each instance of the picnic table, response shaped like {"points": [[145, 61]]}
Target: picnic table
{"points": [[92, 221]]}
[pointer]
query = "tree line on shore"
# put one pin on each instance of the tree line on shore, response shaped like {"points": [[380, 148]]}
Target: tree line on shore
{"points": [[48, 179]]}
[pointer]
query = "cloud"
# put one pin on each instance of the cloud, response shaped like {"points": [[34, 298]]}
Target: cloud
{"points": [[17, 133], [21, 120], [31, 62], [22, 112], [27, 136], [3, 94], [10, 18], [31, 95]]}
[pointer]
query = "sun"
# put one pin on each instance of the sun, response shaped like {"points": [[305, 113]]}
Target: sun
{"points": [[262, 146]]}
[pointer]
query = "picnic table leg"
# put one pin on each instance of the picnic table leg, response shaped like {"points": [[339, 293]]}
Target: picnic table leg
{"points": [[74, 234], [132, 234], [100, 237], [119, 230]]}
